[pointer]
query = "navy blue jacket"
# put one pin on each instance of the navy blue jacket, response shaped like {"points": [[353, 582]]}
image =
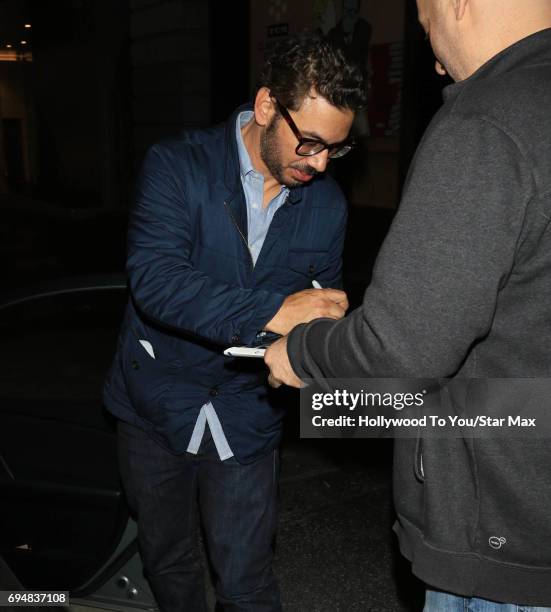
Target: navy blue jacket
{"points": [[194, 291]]}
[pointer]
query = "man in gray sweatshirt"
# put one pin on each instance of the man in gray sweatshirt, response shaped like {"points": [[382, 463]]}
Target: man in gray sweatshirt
{"points": [[462, 289]]}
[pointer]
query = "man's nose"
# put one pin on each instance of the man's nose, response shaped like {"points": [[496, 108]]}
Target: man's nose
{"points": [[319, 161]]}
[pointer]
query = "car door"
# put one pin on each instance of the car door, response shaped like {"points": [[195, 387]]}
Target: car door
{"points": [[64, 523]]}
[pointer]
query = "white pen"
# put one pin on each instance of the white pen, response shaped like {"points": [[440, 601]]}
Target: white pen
{"points": [[316, 285]]}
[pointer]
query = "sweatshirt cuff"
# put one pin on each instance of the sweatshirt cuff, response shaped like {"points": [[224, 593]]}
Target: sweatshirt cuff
{"points": [[295, 342], [299, 342]]}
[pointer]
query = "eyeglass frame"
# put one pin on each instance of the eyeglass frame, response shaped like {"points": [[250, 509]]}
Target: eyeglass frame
{"points": [[301, 139]]}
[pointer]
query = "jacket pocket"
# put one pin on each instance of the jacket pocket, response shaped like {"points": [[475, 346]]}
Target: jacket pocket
{"points": [[418, 467], [299, 269], [408, 490], [148, 379], [308, 264], [450, 493]]}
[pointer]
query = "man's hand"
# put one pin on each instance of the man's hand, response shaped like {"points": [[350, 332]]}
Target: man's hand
{"points": [[306, 305], [281, 372]]}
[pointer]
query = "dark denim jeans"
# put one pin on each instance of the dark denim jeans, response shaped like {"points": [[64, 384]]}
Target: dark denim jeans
{"points": [[236, 505]]}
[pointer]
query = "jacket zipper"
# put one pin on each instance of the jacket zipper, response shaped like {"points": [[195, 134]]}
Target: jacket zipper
{"points": [[241, 234]]}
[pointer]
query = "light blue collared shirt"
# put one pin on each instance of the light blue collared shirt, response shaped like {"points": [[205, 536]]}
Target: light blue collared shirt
{"points": [[258, 217], [258, 223]]}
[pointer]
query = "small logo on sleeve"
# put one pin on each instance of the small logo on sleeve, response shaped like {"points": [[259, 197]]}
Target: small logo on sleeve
{"points": [[496, 543]]}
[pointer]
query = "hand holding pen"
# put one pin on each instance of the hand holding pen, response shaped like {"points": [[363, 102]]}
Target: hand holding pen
{"points": [[306, 305]]}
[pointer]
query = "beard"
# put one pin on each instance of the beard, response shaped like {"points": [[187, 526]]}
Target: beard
{"points": [[270, 154]]}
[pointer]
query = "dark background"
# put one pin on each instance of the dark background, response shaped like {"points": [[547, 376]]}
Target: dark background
{"points": [[108, 79]]}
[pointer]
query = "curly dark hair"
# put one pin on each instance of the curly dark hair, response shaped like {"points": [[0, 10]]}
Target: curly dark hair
{"points": [[298, 65]]}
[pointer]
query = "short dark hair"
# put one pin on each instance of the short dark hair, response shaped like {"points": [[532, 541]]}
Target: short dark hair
{"points": [[299, 64]]}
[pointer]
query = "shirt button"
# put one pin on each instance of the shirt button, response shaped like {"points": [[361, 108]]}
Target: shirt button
{"points": [[235, 338], [213, 392], [311, 269], [135, 364]]}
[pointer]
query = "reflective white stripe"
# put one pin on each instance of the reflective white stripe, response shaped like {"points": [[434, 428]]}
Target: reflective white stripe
{"points": [[198, 432], [222, 446], [208, 414]]}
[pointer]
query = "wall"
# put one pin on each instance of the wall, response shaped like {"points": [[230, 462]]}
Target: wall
{"points": [[370, 176], [170, 69], [79, 98], [14, 105]]}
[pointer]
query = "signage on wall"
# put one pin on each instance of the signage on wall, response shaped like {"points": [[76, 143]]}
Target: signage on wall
{"points": [[278, 29], [373, 33]]}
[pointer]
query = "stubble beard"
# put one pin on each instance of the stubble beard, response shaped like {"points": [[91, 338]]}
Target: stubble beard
{"points": [[270, 154]]}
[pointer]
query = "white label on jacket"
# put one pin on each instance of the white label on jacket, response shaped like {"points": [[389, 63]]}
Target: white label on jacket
{"points": [[148, 347]]}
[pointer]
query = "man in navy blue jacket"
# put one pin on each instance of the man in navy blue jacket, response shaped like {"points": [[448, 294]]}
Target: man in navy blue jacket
{"points": [[231, 227]]}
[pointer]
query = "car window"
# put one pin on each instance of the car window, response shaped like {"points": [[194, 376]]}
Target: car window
{"points": [[61, 345]]}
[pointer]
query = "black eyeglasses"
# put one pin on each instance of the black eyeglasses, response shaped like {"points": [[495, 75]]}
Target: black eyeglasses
{"points": [[310, 146]]}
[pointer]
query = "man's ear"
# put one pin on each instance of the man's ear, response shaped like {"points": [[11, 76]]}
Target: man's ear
{"points": [[459, 7], [263, 106]]}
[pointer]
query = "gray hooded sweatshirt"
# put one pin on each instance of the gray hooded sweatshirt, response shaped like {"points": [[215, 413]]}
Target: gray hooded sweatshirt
{"points": [[462, 288]]}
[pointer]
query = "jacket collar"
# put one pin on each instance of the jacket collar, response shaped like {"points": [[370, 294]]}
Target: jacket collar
{"points": [[507, 60]]}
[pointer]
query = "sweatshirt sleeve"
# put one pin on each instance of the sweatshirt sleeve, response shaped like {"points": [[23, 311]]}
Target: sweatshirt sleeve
{"points": [[164, 284], [438, 277]]}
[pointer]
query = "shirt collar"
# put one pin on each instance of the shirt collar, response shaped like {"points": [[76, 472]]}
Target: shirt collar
{"points": [[245, 164]]}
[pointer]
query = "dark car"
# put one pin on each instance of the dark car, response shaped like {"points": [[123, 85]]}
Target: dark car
{"points": [[41, 241], [64, 523]]}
